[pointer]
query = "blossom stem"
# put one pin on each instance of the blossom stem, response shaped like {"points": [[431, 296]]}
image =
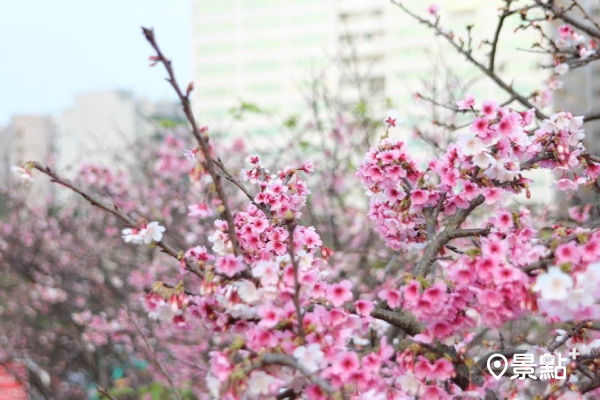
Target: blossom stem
{"points": [[155, 356]]}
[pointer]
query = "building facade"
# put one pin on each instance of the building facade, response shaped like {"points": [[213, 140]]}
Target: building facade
{"points": [[99, 126], [268, 51]]}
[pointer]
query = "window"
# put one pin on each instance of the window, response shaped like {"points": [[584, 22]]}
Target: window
{"points": [[263, 65], [216, 69], [216, 48]]}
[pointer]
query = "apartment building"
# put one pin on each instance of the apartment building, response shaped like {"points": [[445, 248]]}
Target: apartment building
{"points": [[268, 51], [97, 127]]}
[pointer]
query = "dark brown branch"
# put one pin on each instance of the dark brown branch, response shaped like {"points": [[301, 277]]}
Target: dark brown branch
{"points": [[286, 361], [461, 233], [543, 263], [201, 137], [404, 321], [155, 356], [505, 13], [562, 14], [557, 343], [591, 116], [588, 387], [508, 353], [451, 231]]}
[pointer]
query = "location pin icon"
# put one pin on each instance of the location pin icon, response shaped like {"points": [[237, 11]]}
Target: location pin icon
{"points": [[495, 362]]}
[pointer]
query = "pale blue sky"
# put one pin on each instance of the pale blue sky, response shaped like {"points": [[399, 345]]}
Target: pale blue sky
{"points": [[51, 50]]}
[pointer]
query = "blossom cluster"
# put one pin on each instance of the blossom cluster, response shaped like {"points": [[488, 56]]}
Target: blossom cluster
{"points": [[486, 161], [571, 40], [274, 295], [280, 320], [145, 233]]}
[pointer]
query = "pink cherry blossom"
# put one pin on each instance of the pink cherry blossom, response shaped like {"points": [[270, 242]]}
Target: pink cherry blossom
{"points": [[467, 103], [230, 265], [340, 293]]}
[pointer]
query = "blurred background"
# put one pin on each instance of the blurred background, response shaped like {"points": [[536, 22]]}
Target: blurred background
{"points": [[292, 80], [76, 83]]}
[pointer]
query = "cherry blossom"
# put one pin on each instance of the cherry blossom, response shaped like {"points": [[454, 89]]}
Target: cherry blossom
{"points": [[267, 297], [392, 119], [433, 9], [311, 357], [553, 285], [467, 103], [23, 174]]}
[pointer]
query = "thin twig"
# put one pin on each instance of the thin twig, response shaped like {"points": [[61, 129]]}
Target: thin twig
{"points": [[155, 356], [114, 210], [505, 13], [104, 392], [201, 137], [561, 14], [450, 38]]}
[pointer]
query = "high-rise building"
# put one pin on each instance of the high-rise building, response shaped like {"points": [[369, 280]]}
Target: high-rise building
{"points": [[264, 51], [260, 50], [267, 51], [97, 127], [100, 126]]}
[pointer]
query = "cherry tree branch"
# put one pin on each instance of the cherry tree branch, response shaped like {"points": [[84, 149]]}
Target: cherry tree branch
{"points": [[104, 392], [287, 361], [201, 137], [405, 321], [557, 343], [468, 55], [114, 210], [155, 356], [451, 231], [505, 13], [562, 14], [233, 180], [592, 116]]}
